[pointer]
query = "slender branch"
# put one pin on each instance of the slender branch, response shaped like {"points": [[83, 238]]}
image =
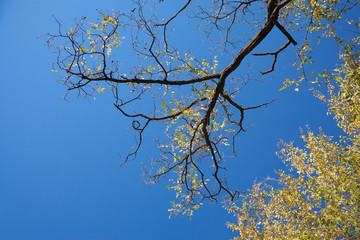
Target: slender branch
{"points": [[275, 56], [168, 21], [160, 118]]}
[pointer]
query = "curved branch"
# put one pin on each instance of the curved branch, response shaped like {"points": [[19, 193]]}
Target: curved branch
{"points": [[275, 56], [168, 21]]}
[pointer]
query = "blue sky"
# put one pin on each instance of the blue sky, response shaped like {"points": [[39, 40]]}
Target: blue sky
{"points": [[59, 161]]}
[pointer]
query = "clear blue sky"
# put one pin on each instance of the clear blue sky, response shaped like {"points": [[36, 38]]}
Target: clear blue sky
{"points": [[59, 161]]}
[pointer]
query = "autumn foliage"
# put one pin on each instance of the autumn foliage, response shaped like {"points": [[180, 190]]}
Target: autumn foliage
{"points": [[319, 197]]}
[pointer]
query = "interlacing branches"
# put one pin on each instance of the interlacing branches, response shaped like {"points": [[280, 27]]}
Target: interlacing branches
{"points": [[189, 95]]}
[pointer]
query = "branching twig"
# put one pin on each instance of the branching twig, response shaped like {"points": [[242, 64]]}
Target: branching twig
{"points": [[275, 54]]}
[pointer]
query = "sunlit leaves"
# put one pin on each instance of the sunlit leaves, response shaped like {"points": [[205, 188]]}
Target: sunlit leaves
{"points": [[323, 19], [188, 146], [320, 197], [86, 49], [179, 65], [100, 89]]}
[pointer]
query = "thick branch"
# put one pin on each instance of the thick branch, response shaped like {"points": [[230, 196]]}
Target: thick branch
{"points": [[145, 81], [283, 30], [255, 41]]}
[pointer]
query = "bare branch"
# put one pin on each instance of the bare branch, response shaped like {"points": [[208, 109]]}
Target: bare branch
{"points": [[275, 56], [168, 21]]}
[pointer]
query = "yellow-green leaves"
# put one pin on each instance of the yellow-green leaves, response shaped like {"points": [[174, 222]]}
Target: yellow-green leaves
{"points": [[288, 83], [186, 64], [322, 19], [100, 89], [71, 33], [85, 50], [320, 197], [319, 200]]}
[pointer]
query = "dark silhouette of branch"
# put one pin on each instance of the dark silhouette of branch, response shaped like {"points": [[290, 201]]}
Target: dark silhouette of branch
{"points": [[164, 25], [275, 54], [195, 121]]}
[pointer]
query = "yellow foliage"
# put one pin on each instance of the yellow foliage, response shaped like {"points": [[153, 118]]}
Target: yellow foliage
{"points": [[320, 197]]}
